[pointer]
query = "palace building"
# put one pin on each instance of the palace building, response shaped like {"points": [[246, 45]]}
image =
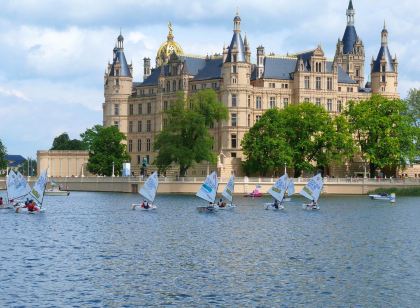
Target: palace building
{"points": [[247, 89]]}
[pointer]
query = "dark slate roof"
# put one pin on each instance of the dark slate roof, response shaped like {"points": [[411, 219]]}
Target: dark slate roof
{"points": [[120, 57], [279, 68], [349, 39], [212, 69], [365, 90], [283, 68], [15, 160], [200, 68], [239, 44], [384, 51], [343, 77], [350, 5], [153, 78]]}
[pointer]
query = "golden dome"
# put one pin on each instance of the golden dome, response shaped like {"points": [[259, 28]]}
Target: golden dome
{"points": [[167, 48]]}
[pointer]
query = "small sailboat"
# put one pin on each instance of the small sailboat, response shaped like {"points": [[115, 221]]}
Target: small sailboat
{"points": [[228, 194], [256, 193], [312, 191], [277, 191], [289, 191], [37, 194], [148, 191], [208, 191], [17, 187]]}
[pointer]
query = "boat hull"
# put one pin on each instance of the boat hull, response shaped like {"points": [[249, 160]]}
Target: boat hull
{"points": [[227, 207], [270, 206], [140, 208], [57, 193], [390, 197], [254, 195], [310, 207], [206, 209]]}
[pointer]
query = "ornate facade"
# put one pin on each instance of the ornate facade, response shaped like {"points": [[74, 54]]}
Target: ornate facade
{"points": [[247, 89]]}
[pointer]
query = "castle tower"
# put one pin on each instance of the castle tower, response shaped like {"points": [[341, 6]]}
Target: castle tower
{"points": [[118, 82], [384, 70], [235, 94], [350, 52]]}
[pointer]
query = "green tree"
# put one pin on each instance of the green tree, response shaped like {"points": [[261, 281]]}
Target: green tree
{"points": [[3, 153], [63, 142], [384, 132], [265, 145], [186, 139], [300, 135], [29, 165], [413, 104], [105, 149], [90, 135]]}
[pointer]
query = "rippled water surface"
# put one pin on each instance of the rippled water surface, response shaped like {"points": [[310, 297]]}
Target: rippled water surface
{"points": [[89, 249]]}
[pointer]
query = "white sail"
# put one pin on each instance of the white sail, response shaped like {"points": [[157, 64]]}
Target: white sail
{"points": [[313, 189], [150, 187], [229, 189], [279, 188], [208, 190], [290, 187], [17, 186], [39, 187]]}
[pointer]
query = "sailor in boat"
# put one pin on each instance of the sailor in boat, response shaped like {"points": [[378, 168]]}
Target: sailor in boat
{"points": [[145, 204], [313, 204], [221, 203], [1, 201], [31, 206], [276, 204]]}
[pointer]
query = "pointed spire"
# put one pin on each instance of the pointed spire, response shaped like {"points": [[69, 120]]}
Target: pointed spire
{"points": [[245, 41], [350, 14], [384, 36]]}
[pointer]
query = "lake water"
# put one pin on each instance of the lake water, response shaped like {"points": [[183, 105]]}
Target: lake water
{"points": [[90, 250]]}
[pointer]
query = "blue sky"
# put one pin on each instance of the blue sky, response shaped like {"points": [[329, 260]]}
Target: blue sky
{"points": [[54, 52]]}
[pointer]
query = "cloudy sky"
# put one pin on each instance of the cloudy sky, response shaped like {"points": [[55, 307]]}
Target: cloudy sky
{"points": [[54, 52]]}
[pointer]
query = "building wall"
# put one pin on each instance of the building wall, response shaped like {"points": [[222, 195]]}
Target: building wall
{"points": [[63, 163]]}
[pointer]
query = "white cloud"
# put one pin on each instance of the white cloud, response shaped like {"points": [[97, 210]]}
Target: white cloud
{"points": [[13, 93]]}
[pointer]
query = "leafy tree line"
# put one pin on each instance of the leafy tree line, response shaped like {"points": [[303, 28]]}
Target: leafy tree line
{"points": [[306, 137], [298, 136]]}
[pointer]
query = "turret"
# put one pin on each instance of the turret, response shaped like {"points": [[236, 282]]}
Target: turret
{"points": [[236, 52], [350, 53], [384, 70], [118, 82]]}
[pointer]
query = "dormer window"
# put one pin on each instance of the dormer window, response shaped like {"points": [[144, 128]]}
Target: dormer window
{"points": [[383, 68], [117, 72], [234, 58]]}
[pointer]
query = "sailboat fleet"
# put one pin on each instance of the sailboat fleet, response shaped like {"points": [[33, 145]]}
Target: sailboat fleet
{"points": [[17, 189]]}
